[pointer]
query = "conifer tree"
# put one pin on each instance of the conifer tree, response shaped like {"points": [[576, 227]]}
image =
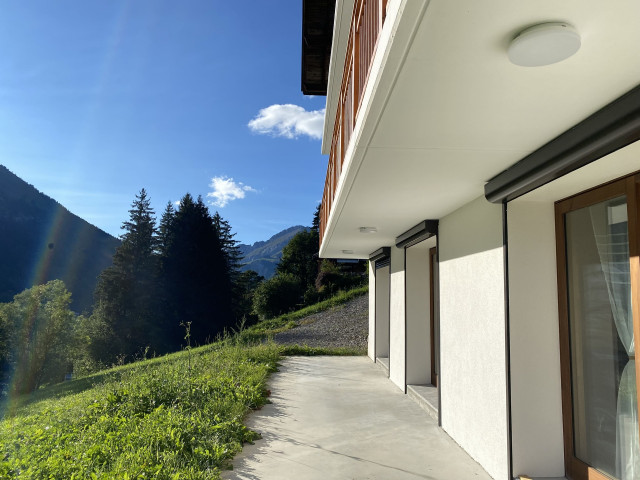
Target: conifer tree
{"points": [[195, 273], [229, 245], [164, 227], [233, 257], [315, 225], [125, 293]]}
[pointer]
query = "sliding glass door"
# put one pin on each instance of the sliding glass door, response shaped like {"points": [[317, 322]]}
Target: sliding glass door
{"points": [[598, 296]]}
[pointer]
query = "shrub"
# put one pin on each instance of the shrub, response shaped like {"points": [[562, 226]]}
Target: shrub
{"points": [[38, 329], [277, 295], [331, 279]]}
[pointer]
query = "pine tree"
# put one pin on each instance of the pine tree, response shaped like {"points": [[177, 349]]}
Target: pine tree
{"points": [[164, 227], [315, 225], [196, 273], [125, 294], [229, 244], [234, 258]]}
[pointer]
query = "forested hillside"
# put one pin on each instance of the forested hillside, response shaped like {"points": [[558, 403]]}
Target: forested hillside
{"points": [[263, 257], [41, 241]]}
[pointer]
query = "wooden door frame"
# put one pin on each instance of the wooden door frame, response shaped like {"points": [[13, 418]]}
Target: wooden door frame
{"points": [[630, 187]]}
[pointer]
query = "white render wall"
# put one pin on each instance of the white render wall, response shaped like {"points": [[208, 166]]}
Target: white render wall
{"points": [[397, 319], [472, 333], [536, 401], [382, 312], [371, 339], [418, 313]]}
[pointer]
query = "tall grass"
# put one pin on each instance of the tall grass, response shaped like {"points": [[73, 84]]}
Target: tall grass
{"points": [[168, 418], [158, 419]]}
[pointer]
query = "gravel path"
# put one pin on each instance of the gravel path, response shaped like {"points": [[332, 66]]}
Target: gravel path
{"points": [[343, 326]]}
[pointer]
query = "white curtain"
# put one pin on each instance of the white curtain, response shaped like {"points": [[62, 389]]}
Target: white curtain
{"points": [[613, 250]]}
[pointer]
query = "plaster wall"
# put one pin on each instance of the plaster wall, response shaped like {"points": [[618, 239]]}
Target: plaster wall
{"points": [[536, 401], [371, 339], [382, 312], [397, 319], [418, 313], [472, 333]]}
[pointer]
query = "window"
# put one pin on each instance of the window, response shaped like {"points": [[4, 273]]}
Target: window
{"points": [[598, 286]]}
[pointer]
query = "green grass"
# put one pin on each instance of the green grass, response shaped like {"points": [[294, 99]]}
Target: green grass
{"points": [[306, 351], [267, 328], [178, 417], [174, 417]]}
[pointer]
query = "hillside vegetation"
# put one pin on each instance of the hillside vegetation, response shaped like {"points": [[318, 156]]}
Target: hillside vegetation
{"points": [[174, 417], [179, 417]]}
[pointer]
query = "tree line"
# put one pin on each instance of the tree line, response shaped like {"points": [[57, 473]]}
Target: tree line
{"points": [[302, 278], [181, 273]]}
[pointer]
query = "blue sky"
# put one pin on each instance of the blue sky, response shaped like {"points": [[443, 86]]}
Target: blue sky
{"points": [[99, 99]]}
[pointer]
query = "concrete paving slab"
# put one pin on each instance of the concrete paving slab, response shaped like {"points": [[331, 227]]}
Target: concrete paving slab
{"points": [[341, 418], [426, 396]]}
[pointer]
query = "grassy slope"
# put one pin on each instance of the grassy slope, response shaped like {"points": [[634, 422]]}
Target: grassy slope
{"points": [[267, 328], [173, 417], [176, 418]]}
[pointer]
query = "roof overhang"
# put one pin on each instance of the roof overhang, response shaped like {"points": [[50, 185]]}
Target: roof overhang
{"points": [[444, 111], [613, 127], [317, 34]]}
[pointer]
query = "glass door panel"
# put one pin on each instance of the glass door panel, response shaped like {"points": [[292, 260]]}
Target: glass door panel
{"points": [[603, 377]]}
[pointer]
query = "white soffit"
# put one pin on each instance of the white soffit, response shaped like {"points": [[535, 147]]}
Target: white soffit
{"points": [[459, 112]]}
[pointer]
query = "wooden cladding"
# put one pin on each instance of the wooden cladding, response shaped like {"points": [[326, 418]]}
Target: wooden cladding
{"points": [[366, 24]]}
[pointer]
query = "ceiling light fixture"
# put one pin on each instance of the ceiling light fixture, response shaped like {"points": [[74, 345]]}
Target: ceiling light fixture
{"points": [[347, 252], [544, 44], [368, 229]]}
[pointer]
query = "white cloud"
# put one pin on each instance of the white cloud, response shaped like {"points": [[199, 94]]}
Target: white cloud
{"points": [[290, 121], [225, 190]]}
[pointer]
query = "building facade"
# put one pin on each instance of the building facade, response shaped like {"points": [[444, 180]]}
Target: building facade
{"points": [[495, 188]]}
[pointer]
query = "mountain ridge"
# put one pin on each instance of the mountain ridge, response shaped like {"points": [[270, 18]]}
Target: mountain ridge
{"points": [[43, 241], [263, 256]]}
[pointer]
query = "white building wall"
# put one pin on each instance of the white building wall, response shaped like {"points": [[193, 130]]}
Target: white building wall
{"points": [[536, 401], [382, 299], [371, 339], [472, 333], [397, 342], [418, 313]]}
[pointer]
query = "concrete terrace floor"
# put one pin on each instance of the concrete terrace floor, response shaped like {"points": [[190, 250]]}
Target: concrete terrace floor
{"points": [[341, 418]]}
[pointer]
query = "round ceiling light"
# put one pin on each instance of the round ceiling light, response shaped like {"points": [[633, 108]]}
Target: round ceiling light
{"points": [[544, 44]]}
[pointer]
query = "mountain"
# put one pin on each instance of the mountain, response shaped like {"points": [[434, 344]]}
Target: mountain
{"points": [[41, 241], [263, 257]]}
